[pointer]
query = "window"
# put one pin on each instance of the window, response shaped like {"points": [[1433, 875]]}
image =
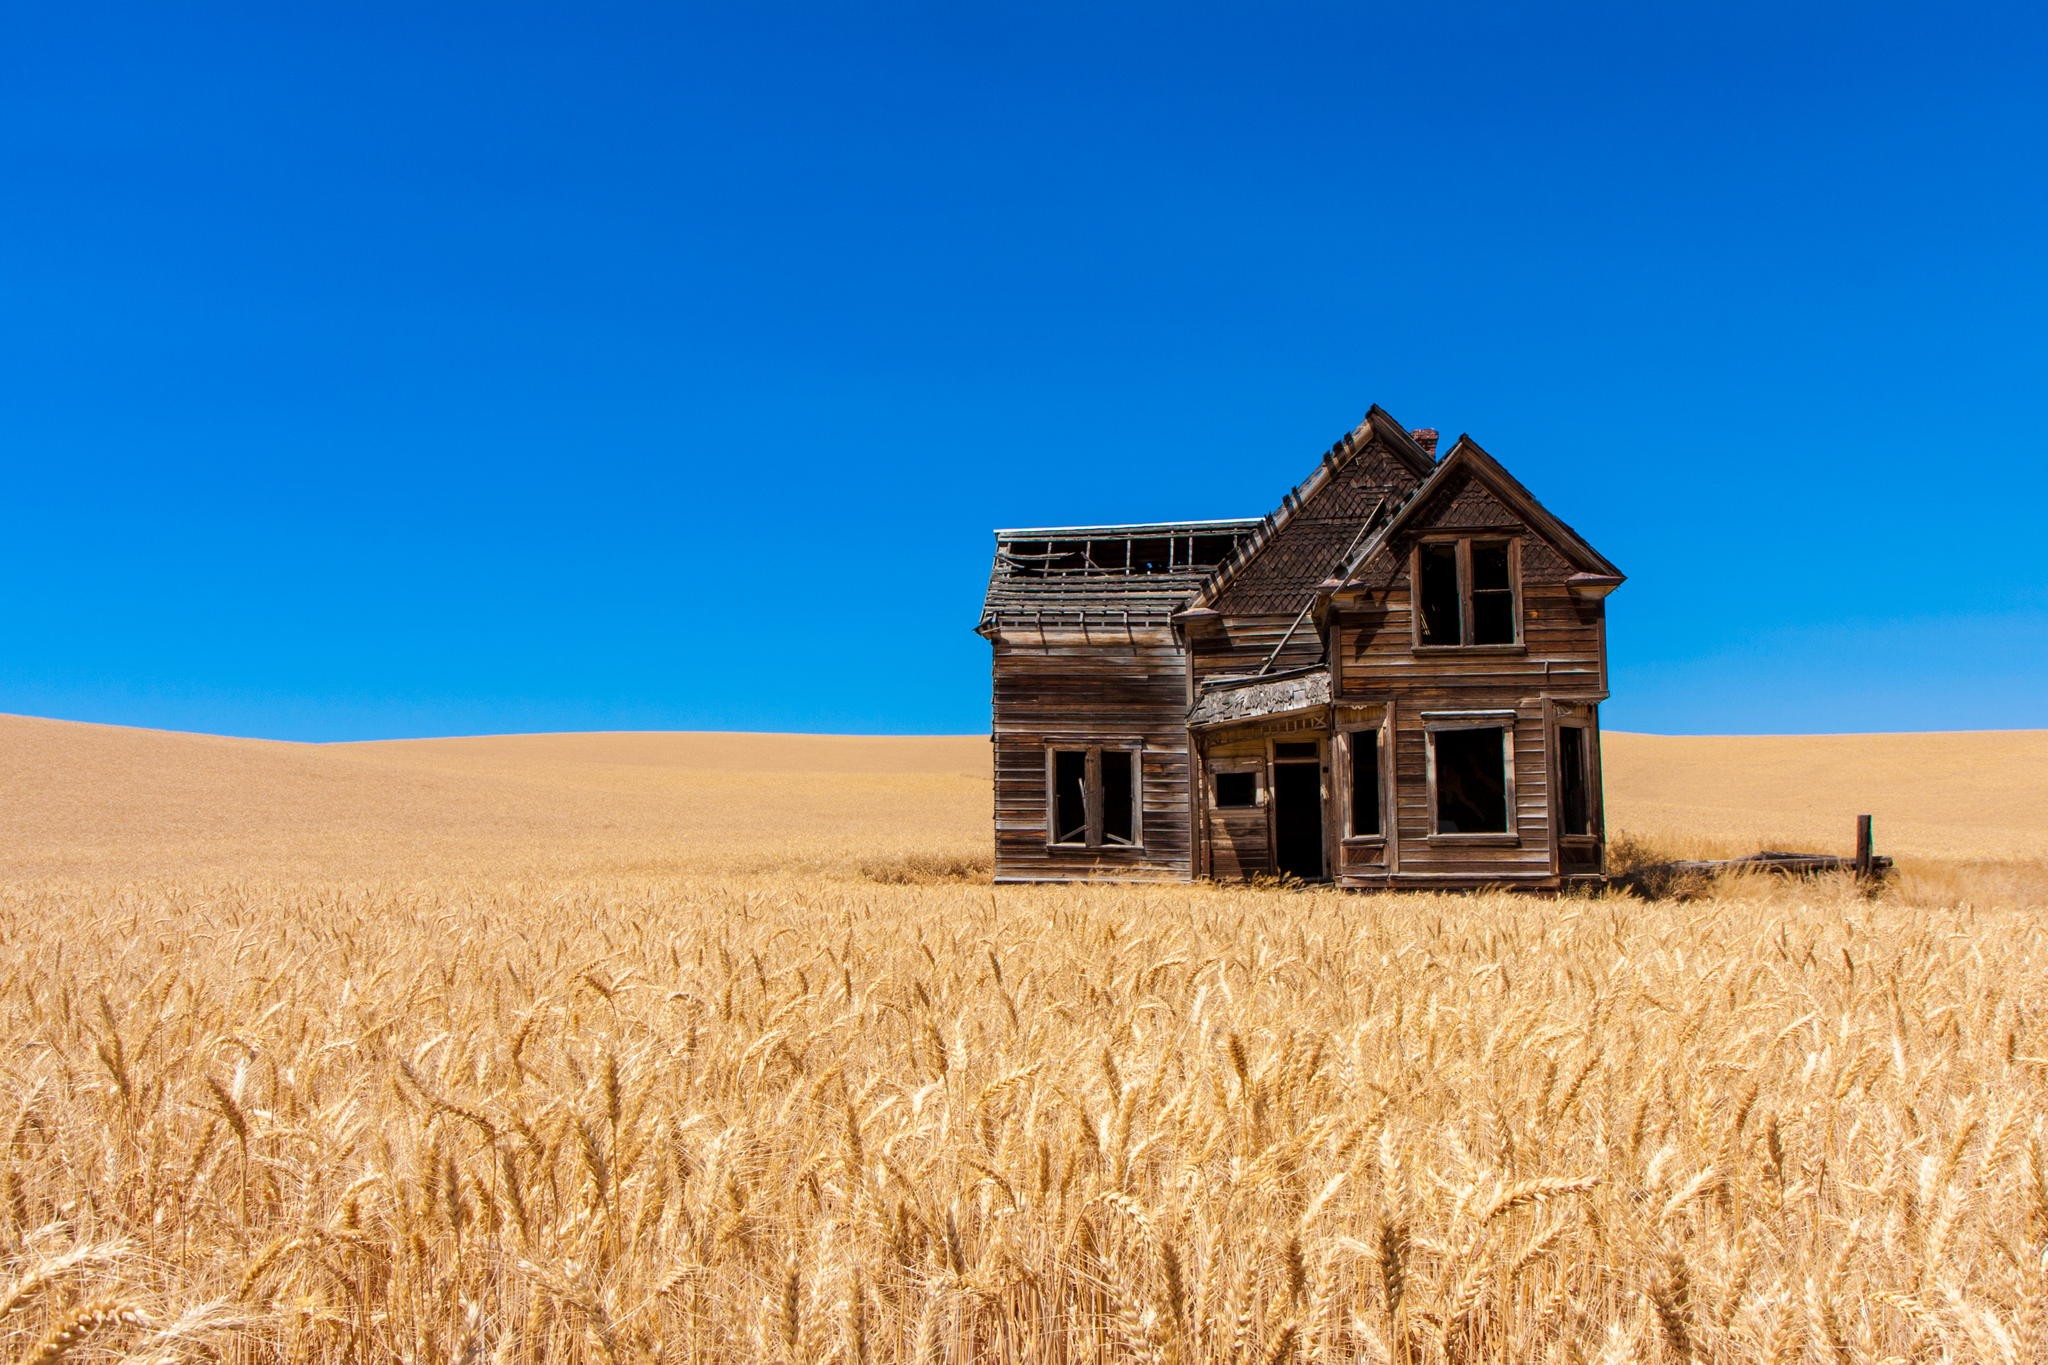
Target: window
{"points": [[1574, 780], [1465, 593], [1070, 796], [1365, 783], [1296, 749], [1236, 791], [1122, 555], [1119, 785], [1092, 796], [1469, 778]]}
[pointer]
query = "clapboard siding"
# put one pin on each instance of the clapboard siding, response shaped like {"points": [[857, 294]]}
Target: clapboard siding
{"points": [[1561, 658], [1049, 688], [1238, 846], [1238, 645], [1206, 644]]}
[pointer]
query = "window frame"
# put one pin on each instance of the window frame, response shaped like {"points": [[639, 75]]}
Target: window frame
{"points": [[1092, 792], [1435, 723], [1586, 784], [1379, 730], [1252, 769], [1463, 540]]}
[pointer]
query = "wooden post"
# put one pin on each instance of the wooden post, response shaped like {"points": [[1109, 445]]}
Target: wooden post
{"points": [[1863, 850]]}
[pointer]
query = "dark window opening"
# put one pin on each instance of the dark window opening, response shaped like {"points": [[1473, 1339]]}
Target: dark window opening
{"points": [[1365, 782], [1065, 556], [1294, 749], [1070, 796], [1493, 594], [1574, 784], [1095, 796], [1439, 593], [1119, 818], [1471, 781], [1212, 550], [1151, 556], [1112, 556], [1465, 593], [1236, 791]]}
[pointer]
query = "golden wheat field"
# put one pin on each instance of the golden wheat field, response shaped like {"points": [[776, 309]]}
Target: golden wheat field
{"points": [[709, 1048]]}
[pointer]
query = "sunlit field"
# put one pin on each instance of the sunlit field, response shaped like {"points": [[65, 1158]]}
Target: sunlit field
{"points": [[628, 1048]]}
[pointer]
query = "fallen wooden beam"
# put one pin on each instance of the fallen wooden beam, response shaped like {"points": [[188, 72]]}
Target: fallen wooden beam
{"points": [[1790, 864], [1653, 878]]}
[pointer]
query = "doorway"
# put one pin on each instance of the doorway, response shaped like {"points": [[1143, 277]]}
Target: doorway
{"points": [[1298, 818]]}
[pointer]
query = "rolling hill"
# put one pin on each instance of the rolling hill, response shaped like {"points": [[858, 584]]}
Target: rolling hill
{"points": [[108, 802]]}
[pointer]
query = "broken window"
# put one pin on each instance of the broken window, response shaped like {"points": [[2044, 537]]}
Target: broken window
{"points": [[1235, 791], [1438, 569], [1574, 780], [1296, 749], [1119, 818], [1070, 796], [1470, 772], [1093, 797], [1151, 555], [1365, 783], [1493, 594], [1109, 556], [1213, 550], [1465, 593]]}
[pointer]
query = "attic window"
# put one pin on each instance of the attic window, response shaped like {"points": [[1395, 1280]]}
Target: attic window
{"points": [[1465, 592], [1119, 555], [1152, 555], [1109, 556]]}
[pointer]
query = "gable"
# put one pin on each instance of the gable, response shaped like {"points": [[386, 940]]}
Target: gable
{"points": [[1465, 503], [1471, 491], [1309, 540]]}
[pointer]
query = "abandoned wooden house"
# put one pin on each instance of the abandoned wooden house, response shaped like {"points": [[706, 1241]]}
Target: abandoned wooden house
{"points": [[1392, 680]]}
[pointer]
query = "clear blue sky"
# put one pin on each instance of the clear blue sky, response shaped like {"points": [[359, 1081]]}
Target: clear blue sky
{"points": [[381, 370]]}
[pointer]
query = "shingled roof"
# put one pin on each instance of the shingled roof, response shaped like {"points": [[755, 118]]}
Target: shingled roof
{"points": [[1142, 574], [1362, 478]]}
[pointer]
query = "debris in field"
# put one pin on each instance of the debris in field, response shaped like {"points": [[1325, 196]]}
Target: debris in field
{"points": [[1661, 878]]}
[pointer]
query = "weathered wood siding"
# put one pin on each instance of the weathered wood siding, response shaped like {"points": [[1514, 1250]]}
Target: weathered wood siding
{"points": [[1561, 658], [1104, 687], [1240, 644]]}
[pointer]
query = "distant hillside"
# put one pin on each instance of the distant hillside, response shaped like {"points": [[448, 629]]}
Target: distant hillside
{"points": [[102, 801]]}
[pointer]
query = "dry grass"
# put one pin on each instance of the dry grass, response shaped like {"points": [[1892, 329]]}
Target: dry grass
{"points": [[526, 1087]]}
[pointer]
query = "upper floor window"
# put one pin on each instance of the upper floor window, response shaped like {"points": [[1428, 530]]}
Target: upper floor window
{"points": [[1465, 592]]}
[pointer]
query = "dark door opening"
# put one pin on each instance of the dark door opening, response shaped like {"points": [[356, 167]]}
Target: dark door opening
{"points": [[1298, 819]]}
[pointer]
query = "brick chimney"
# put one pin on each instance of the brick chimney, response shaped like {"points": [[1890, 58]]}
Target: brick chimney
{"points": [[1426, 438]]}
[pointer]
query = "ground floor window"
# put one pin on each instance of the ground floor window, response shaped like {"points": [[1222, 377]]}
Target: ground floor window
{"points": [[1092, 796], [1470, 779], [1237, 791], [1574, 780], [1365, 784]]}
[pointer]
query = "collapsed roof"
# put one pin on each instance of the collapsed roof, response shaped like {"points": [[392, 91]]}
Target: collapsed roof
{"points": [[1137, 574], [1365, 489]]}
